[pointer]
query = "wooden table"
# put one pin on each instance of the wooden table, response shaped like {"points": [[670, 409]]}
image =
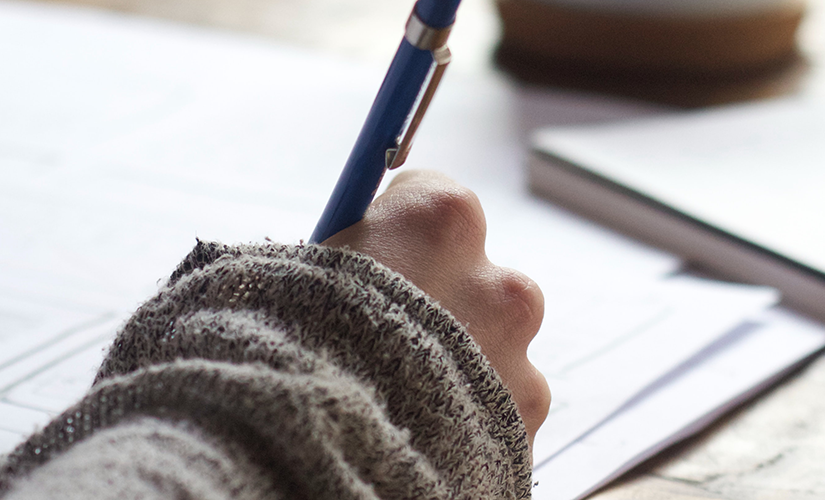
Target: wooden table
{"points": [[773, 448]]}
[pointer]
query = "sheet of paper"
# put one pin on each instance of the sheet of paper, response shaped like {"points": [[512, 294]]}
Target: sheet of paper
{"points": [[185, 133], [731, 371], [600, 348], [27, 326], [42, 382], [8, 440], [64, 381], [22, 369]]}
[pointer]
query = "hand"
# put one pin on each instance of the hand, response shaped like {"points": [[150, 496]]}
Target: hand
{"points": [[431, 230]]}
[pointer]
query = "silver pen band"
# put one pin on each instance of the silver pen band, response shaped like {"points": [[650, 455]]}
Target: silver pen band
{"points": [[425, 37]]}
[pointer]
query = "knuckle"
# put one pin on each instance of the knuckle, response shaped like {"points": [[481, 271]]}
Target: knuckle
{"points": [[455, 213], [534, 409], [523, 304]]}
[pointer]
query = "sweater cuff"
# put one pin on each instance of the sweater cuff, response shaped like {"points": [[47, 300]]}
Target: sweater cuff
{"points": [[390, 300]]}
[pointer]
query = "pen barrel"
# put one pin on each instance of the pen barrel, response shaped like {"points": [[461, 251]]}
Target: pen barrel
{"points": [[437, 13], [385, 122]]}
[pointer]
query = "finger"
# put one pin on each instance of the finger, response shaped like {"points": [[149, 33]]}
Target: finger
{"points": [[400, 194], [503, 310], [441, 214], [513, 309], [426, 227], [520, 306], [530, 393], [420, 176]]}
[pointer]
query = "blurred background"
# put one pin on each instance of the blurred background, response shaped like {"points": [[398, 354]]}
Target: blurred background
{"points": [[666, 53]]}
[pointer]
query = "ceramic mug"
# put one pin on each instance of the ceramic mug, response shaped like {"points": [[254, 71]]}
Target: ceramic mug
{"points": [[681, 7], [690, 36]]}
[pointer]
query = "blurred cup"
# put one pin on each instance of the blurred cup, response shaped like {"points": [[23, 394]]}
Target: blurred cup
{"points": [[689, 39]]}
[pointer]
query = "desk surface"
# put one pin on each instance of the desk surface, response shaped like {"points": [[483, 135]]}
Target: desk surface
{"points": [[773, 448]]}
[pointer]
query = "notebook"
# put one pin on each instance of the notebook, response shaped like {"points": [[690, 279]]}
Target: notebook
{"points": [[736, 190]]}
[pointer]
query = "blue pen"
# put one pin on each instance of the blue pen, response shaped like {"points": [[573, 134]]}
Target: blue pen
{"points": [[387, 134]]}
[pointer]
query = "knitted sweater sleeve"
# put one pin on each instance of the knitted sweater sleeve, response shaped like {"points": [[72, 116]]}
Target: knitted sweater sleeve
{"points": [[283, 372]]}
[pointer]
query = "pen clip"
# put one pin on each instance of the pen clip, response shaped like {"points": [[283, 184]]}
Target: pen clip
{"points": [[435, 40]]}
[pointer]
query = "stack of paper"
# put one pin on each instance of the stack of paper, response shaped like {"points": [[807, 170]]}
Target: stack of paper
{"points": [[127, 140]]}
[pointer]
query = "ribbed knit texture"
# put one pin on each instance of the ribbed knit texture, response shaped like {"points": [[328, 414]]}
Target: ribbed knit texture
{"points": [[283, 372]]}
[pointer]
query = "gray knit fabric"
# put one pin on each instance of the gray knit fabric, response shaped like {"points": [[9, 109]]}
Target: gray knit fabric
{"points": [[283, 372]]}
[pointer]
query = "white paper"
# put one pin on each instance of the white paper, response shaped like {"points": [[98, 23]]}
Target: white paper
{"points": [[21, 420], [27, 326], [8, 440], [599, 349], [63, 382], [732, 371], [62, 348]]}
